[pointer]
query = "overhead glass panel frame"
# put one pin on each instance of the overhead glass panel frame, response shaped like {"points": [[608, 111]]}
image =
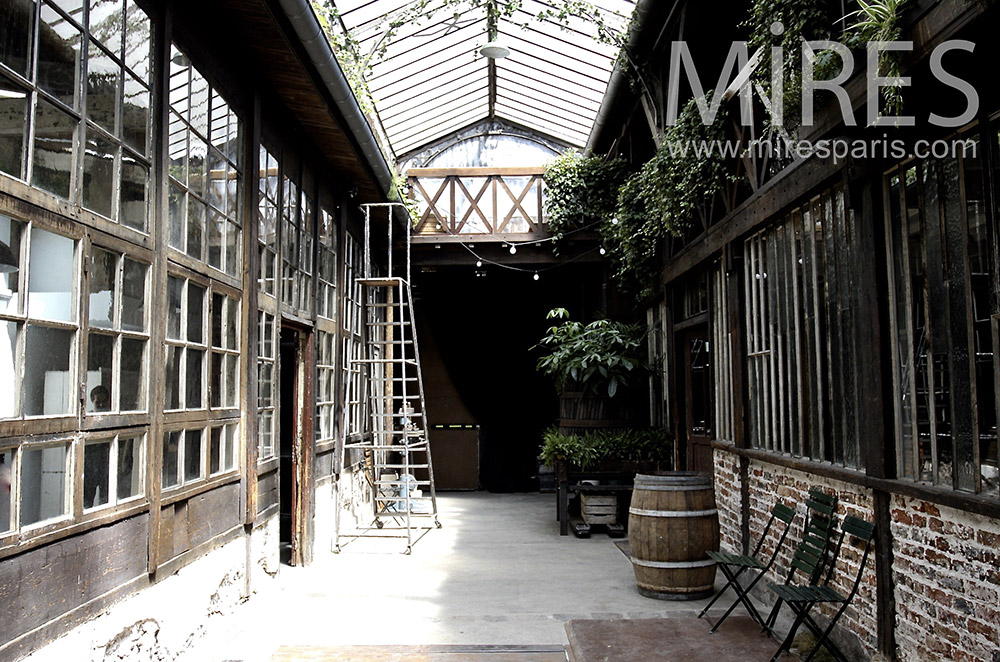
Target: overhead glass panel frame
{"points": [[429, 80]]}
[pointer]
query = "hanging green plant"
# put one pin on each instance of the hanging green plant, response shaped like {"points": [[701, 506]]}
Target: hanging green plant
{"points": [[799, 19], [878, 20], [580, 190], [671, 193]]}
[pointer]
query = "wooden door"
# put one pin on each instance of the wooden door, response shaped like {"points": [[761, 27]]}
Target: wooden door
{"points": [[699, 401]]}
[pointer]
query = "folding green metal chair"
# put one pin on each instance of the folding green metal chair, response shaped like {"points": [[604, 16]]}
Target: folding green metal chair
{"points": [[802, 599], [733, 566], [813, 551]]}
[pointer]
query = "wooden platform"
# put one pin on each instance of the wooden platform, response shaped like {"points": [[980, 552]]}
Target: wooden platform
{"points": [[420, 654], [679, 639]]}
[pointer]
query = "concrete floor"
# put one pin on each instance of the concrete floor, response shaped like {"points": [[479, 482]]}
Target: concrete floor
{"points": [[498, 572]]}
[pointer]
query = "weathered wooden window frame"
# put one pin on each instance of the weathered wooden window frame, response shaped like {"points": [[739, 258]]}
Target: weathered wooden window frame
{"points": [[24, 318], [123, 251], [353, 338], [77, 110], [224, 209], [114, 438], [927, 233], [799, 339], [267, 414], [722, 354]]}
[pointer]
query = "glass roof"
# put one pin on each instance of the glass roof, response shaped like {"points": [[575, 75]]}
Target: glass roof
{"points": [[427, 79]]}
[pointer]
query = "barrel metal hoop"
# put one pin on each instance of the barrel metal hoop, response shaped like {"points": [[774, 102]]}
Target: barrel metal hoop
{"points": [[671, 513], [673, 564], [674, 488]]}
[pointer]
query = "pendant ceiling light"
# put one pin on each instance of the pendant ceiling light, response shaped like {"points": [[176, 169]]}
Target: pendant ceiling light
{"points": [[494, 50]]}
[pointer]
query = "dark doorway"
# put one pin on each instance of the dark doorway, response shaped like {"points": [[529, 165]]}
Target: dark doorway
{"points": [[699, 405], [290, 369]]}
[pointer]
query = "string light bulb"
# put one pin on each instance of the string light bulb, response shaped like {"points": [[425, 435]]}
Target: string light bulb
{"points": [[535, 276], [603, 252], [479, 263], [513, 249], [614, 221]]}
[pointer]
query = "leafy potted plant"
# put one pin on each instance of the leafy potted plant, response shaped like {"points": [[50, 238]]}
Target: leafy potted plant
{"points": [[590, 365]]}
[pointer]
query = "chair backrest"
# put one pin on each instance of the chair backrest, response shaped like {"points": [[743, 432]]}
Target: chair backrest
{"points": [[813, 552], [780, 512], [863, 531]]}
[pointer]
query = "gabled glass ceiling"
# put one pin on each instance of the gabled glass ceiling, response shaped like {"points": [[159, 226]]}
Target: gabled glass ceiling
{"points": [[428, 80]]}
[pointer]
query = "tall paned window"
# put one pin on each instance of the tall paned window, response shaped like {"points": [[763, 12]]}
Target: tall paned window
{"points": [[187, 344], [267, 221], [267, 338], [801, 355], [118, 332], [296, 249], [224, 384], [722, 374], [326, 393], [79, 86], [204, 148], [38, 320], [113, 469], [944, 312], [353, 328], [326, 268]]}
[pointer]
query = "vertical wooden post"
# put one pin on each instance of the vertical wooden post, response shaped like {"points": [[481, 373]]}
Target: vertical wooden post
{"points": [[251, 262]]}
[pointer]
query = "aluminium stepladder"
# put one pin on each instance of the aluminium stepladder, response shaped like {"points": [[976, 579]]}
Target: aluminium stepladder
{"points": [[394, 447]]}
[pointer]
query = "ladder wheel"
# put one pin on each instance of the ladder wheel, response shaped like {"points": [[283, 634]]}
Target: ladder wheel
{"points": [[336, 549], [379, 523], [437, 524], [407, 552]]}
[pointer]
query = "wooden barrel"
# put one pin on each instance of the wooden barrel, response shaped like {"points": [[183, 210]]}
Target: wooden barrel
{"points": [[672, 523]]}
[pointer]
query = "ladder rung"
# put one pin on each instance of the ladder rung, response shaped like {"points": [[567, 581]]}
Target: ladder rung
{"points": [[398, 481], [403, 466], [411, 414], [380, 282], [386, 361], [390, 342], [399, 448], [398, 323]]}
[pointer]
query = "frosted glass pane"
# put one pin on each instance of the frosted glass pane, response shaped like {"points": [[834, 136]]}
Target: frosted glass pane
{"points": [[50, 280], [43, 484]]}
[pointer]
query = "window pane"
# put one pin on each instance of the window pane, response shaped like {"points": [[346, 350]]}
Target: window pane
{"points": [[106, 24], [193, 393], [98, 174], [13, 125], [133, 379], [6, 462], [134, 296], [215, 378], [192, 455], [137, 40], [172, 377], [232, 380], [175, 289], [43, 484], [103, 75], [103, 268], [171, 450], [197, 165], [96, 473], [15, 38], [132, 194], [10, 282], [199, 103], [130, 461], [8, 358], [135, 115], [266, 435], [100, 367], [218, 304], [215, 451], [195, 227], [53, 149], [47, 383], [264, 384], [175, 217], [59, 57], [50, 288], [216, 226], [233, 248], [195, 314], [229, 452], [232, 322]]}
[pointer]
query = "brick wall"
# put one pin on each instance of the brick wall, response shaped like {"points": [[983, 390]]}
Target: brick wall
{"points": [[727, 500], [946, 572]]}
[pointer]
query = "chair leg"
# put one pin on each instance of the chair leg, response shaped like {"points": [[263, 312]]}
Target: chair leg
{"points": [[728, 573], [822, 637], [786, 644]]}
